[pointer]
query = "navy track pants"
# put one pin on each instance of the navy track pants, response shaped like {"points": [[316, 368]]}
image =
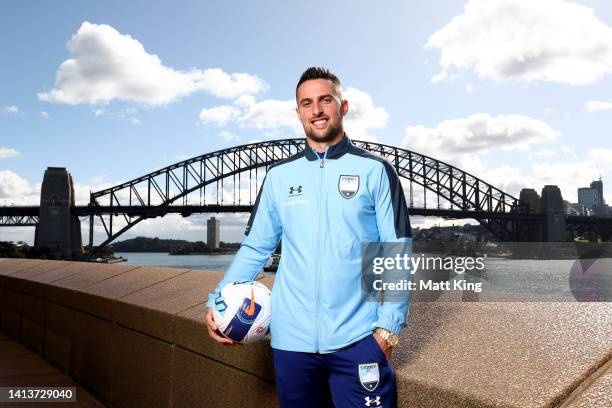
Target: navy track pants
{"points": [[357, 376]]}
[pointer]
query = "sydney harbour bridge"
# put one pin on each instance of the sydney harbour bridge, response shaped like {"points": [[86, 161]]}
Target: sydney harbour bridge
{"points": [[227, 181]]}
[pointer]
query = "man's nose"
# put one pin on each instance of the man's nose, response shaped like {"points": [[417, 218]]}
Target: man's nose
{"points": [[316, 109]]}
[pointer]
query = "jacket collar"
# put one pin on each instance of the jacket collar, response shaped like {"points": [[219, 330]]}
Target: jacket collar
{"points": [[333, 152]]}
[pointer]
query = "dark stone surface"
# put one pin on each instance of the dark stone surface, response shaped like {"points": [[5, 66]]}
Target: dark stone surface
{"points": [[12, 309], [195, 385], [91, 355], [191, 333], [142, 370], [33, 323], [59, 335]]}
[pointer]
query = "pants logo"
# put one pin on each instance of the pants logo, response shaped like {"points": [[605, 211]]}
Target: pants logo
{"points": [[369, 376], [295, 190], [372, 402]]}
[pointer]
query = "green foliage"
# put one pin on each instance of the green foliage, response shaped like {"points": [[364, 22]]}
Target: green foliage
{"points": [[21, 250], [177, 246]]}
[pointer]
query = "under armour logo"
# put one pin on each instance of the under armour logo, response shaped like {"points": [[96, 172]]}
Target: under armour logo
{"points": [[295, 190], [372, 402]]}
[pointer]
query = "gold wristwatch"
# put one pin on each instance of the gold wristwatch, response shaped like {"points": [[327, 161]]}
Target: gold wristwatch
{"points": [[391, 338]]}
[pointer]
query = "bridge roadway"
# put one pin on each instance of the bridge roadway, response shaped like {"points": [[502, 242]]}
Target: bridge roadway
{"points": [[186, 210], [133, 336]]}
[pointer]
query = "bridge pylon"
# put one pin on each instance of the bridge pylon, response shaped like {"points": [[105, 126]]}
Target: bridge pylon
{"points": [[58, 231]]}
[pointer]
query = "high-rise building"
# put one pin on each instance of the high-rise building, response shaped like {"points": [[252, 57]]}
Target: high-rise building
{"points": [[598, 185], [588, 197], [212, 233]]}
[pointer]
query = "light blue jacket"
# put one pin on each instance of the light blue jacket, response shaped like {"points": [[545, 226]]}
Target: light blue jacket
{"points": [[323, 210]]}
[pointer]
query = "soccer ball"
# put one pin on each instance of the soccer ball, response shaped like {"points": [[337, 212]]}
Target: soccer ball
{"points": [[242, 311]]}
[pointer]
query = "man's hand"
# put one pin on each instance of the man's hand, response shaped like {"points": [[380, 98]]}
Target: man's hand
{"points": [[213, 332], [385, 347]]}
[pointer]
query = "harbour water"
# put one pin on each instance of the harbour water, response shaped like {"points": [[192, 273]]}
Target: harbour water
{"points": [[217, 263], [565, 280]]}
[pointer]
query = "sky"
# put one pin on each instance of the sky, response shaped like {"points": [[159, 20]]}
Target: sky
{"points": [[517, 92]]}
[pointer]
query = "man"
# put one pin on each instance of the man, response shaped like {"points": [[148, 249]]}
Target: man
{"points": [[324, 202]]}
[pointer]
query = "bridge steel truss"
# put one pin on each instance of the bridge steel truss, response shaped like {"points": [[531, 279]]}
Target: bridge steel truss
{"points": [[19, 216], [18, 220], [131, 202]]}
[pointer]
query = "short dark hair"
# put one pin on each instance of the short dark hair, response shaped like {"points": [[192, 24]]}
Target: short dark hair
{"points": [[318, 73]]}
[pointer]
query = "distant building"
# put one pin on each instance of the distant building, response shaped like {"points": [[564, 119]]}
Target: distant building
{"points": [[576, 209], [598, 185], [588, 197], [593, 201], [212, 233]]}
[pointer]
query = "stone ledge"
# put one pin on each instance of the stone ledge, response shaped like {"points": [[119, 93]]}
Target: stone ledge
{"points": [[452, 354]]}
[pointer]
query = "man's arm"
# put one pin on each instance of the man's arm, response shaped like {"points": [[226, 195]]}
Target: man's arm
{"points": [[393, 226], [262, 236]]}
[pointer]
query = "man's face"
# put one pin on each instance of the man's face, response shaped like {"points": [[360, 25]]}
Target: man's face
{"points": [[320, 109]]}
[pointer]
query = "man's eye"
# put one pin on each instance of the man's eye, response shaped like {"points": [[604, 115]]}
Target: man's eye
{"points": [[305, 104], [327, 100]]}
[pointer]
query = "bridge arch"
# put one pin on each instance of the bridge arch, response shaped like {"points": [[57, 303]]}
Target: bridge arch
{"points": [[174, 184]]}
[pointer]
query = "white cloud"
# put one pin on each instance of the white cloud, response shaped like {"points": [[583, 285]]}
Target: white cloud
{"points": [[363, 116], [218, 114], [11, 110], [228, 136], [567, 175], [479, 132], [44, 115], [135, 121], [545, 40], [99, 112], [274, 114], [17, 190], [7, 152], [461, 142], [561, 171], [506, 178], [597, 106], [247, 112], [569, 151], [268, 114], [601, 158], [542, 153], [105, 65]]}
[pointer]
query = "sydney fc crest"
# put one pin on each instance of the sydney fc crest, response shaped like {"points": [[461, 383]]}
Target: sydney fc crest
{"points": [[348, 186], [369, 376]]}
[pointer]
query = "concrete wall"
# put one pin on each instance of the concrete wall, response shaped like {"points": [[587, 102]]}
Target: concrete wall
{"points": [[133, 337]]}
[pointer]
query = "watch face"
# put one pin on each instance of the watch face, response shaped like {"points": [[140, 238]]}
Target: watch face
{"points": [[393, 339]]}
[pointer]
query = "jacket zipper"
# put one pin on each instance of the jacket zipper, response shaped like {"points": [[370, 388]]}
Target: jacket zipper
{"points": [[317, 260]]}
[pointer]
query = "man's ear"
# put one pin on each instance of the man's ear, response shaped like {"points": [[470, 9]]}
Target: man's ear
{"points": [[344, 107]]}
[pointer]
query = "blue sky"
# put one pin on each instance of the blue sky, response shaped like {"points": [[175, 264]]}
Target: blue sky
{"points": [[525, 98]]}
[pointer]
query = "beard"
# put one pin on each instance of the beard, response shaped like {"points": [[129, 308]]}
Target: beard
{"points": [[330, 134]]}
